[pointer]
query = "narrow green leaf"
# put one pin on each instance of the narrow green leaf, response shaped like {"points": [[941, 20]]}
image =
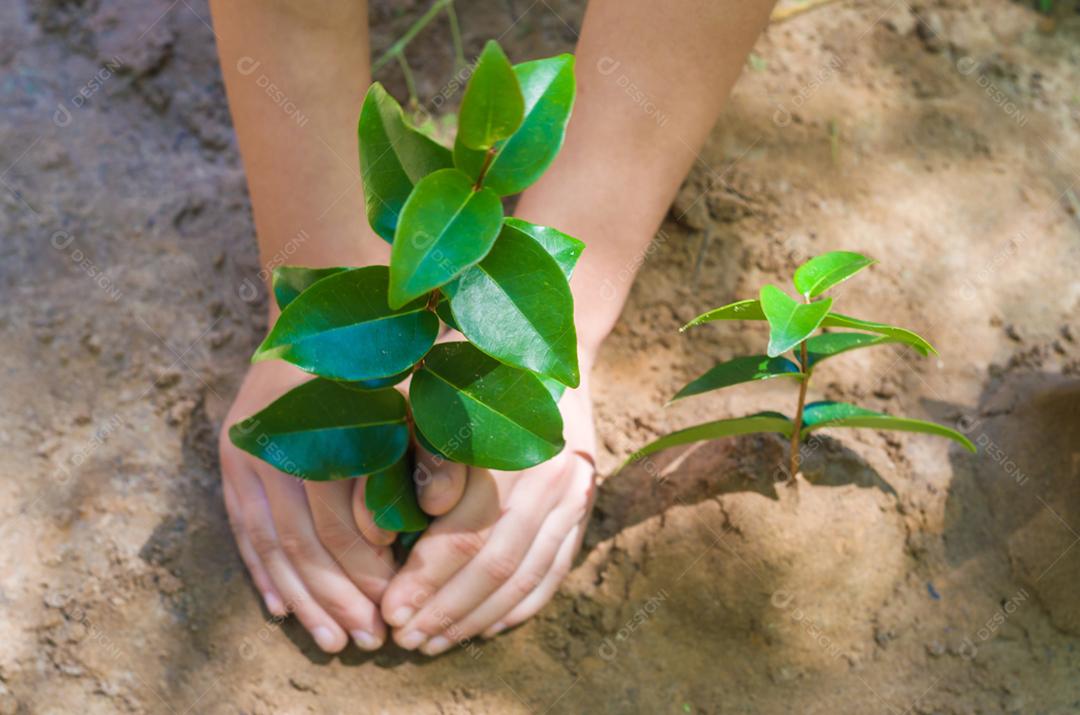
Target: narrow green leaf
{"points": [[515, 305], [390, 496], [548, 88], [478, 411], [826, 345], [739, 310], [751, 310], [322, 430], [393, 158], [901, 335], [442, 309], [565, 249], [738, 370], [764, 422], [823, 272], [290, 281], [819, 415], [492, 106], [445, 227], [342, 328], [790, 322]]}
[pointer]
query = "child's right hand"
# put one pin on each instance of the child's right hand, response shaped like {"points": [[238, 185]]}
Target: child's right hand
{"points": [[312, 548]]}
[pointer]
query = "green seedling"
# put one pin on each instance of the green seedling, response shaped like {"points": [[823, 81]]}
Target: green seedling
{"points": [[455, 260], [792, 328]]}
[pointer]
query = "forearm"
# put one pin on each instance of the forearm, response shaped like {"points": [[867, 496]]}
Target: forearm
{"points": [[295, 74], [652, 80]]}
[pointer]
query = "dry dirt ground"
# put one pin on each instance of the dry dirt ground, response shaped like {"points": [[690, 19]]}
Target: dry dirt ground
{"points": [[905, 576]]}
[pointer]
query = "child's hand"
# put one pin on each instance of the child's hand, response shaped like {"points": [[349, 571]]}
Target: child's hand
{"points": [[312, 547], [498, 556]]}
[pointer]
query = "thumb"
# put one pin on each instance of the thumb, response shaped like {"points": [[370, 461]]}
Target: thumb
{"points": [[439, 482]]}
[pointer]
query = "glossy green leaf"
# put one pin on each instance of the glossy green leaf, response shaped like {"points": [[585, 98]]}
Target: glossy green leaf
{"points": [[390, 496], [322, 430], [790, 322], [375, 383], [445, 227], [739, 310], [739, 370], [827, 345], [764, 422], [751, 310], [492, 106], [565, 249], [342, 328], [393, 158], [426, 444], [478, 411], [548, 88], [515, 305], [819, 415], [553, 386], [900, 335], [442, 309], [290, 281], [825, 271]]}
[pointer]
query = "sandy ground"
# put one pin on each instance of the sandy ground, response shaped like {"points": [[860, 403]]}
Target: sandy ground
{"points": [[905, 576]]}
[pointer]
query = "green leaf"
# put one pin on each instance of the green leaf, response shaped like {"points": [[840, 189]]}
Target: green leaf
{"points": [[377, 383], [445, 227], [290, 281], [827, 345], [565, 249], [390, 496], [751, 310], [553, 386], [342, 328], [900, 335], [739, 310], [393, 158], [322, 430], [492, 107], [764, 422], [478, 411], [442, 309], [548, 88], [790, 322], [819, 415], [515, 305], [823, 272], [738, 370], [426, 444]]}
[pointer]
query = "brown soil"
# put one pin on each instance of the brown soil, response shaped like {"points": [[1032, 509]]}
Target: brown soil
{"points": [[904, 576]]}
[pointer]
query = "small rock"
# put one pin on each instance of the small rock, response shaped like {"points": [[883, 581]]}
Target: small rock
{"points": [[935, 649], [168, 584], [219, 338], [1012, 333], [931, 30], [303, 684], [92, 343], [55, 599], [1067, 333], [165, 378]]}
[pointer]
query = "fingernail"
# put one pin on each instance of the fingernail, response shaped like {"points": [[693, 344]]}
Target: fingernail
{"points": [[495, 630], [273, 604], [324, 638], [436, 645], [412, 639], [401, 616], [365, 640]]}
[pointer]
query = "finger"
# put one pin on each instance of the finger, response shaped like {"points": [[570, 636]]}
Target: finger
{"points": [[364, 519], [529, 575], [254, 514], [440, 483], [322, 577], [450, 543], [543, 593], [530, 503], [369, 566], [254, 564]]}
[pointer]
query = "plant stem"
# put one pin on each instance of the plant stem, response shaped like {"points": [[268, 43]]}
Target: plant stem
{"points": [[399, 46], [795, 439], [410, 82], [455, 36], [484, 168]]}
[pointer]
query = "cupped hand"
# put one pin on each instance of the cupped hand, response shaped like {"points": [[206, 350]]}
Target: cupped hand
{"points": [[499, 555], [312, 548]]}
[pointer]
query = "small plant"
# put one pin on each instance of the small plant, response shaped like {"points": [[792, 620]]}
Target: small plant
{"points": [[791, 329], [489, 401]]}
